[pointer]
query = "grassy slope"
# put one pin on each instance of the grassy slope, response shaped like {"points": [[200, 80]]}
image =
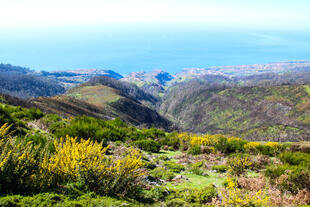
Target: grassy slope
{"points": [[101, 102], [99, 95]]}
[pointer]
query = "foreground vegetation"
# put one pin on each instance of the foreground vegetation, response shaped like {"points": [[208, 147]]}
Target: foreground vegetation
{"points": [[46, 160]]}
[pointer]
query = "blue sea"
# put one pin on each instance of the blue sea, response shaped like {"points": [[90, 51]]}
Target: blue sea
{"points": [[129, 47]]}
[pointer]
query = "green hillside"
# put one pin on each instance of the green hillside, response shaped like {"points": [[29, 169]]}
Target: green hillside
{"points": [[257, 113], [106, 98]]}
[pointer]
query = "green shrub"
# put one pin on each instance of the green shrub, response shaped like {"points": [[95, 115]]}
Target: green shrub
{"points": [[147, 145], [73, 190], [194, 150], [18, 127], [163, 157], [162, 173], [174, 167], [57, 126], [201, 196], [149, 165], [88, 127], [143, 134], [295, 158], [289, 178], [230, 145], [176, 202], [50, 119], [197, 168], [83, 127], [37, 138], [158, 193], [219, 168], [271, 148], [198, 171], [275, 171], [35, 113], [171, 140], [54, 199]]}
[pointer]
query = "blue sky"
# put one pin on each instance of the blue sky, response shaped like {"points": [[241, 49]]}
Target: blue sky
{"points": [[134, 35]]}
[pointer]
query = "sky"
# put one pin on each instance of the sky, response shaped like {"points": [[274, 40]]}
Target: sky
{"points": [[46, 13], [129, 35]]}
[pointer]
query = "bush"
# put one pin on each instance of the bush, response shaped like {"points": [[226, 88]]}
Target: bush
{"points": [[194, 150], [90, 128], [18, 166], [148, 145], [171, 140], [289, 178], [4, 129], [163, 157], [35, 113], [57, 126], [230, 145], [259, 162], [201, 196], [275, 171], [295, 158], [233, 196], [300, 147], [158, 193], [238, 163], [294, 180], [219, 168], [197, 168], [143, 134], [7, 115], [176, 202], [149, 165], [251, 147], [174, 167], [50, 119], [270, 148], [37, 138], [162, 173], [54, 199], [86, 162]]}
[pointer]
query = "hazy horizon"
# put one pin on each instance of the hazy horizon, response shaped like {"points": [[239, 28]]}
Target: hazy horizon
{"points": [[145, 35]]}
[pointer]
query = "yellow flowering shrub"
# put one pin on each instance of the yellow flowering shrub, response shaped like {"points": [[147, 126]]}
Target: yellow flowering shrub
{"points": [[251, 147], [72, 157], [4, 129], [238, 164], [195, 140], [86, 161], [206, 140], [184, 136], [18, 165], [235, 197], [273, 145], [231, 139]]}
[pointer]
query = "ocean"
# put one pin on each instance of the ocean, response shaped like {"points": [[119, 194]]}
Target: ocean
{"points": [[128, 48]]}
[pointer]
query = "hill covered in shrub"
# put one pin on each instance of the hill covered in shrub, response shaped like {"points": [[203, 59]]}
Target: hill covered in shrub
{"points": [[85, 161]]}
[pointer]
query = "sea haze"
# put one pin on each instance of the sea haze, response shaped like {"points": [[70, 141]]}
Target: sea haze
{"points": [[128, 48]]}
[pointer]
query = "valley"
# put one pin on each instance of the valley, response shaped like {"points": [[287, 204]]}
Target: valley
{"points": [[202, 137]]}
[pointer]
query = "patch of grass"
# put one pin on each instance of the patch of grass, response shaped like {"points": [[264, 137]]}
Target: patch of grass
{"points": [[253, 174], [98, 95], [307, 89], [53, 199], [198, 181], [170, 154]]}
